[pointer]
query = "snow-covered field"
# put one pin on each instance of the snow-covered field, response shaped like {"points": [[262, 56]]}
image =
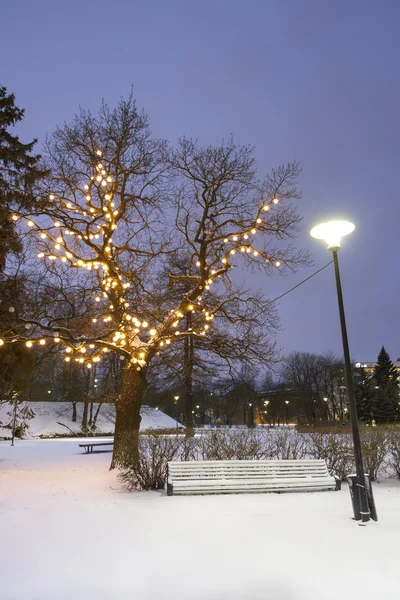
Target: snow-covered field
{"points": [[68, 531], [55, 418]]}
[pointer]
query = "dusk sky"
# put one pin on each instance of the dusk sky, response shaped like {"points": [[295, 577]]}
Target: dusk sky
{"points": [[316, 81]]}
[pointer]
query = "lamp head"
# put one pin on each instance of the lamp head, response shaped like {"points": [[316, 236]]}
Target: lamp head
{"points": [[332, 232]]}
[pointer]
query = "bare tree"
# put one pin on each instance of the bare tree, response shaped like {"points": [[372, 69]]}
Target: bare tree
{"points": [[100, 230]]}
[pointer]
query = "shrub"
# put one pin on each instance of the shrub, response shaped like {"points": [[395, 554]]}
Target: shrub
{"points": [[375, 446], [216, 445], [336, 449], [288, 445], [394, 451], [148, 471]]}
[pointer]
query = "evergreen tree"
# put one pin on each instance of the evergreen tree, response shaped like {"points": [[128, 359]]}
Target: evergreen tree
{"points": [[386, 380], [365, 393], [19, 170]]}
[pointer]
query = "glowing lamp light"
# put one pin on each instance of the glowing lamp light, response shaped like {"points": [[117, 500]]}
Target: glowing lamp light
{"points": [[332, 232]]}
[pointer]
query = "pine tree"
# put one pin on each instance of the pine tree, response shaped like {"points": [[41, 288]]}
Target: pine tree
{"points": [[365, 393], [19, 170], [386, 380]]}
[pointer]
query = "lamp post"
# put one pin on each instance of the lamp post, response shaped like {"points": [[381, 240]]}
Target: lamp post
{"points": [[176, 398], [332, 232]]}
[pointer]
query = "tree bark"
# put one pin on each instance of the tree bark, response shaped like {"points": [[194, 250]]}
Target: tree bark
{"points": [[188, 374], [127, 423], [84, 425], [94, 421], [73, 411], [91, 413]]}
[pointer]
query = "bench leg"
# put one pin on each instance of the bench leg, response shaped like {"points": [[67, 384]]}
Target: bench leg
{"points": [[169, 489]]}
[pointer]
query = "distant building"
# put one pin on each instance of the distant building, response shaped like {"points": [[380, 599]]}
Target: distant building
{"points": [[370, 366]]}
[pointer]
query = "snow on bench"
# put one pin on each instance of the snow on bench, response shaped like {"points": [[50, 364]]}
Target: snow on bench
{"points": [[90, 445], [248, 476]]}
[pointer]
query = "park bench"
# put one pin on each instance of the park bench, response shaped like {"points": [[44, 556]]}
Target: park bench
{"points": [[88, 446], [248, 476]]}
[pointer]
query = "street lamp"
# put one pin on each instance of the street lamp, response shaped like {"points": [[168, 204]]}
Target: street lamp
{"points": [[332, 232], [176, 398]]}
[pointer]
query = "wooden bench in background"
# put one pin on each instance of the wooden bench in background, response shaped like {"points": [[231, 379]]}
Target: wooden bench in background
{"points": [[90, 445], [248, 476]]}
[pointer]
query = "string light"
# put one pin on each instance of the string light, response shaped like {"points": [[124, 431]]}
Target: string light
{"points": [[100, 227]]}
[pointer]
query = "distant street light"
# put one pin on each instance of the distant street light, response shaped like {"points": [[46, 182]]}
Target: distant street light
{"points": [[176, 398], [332, 232]]}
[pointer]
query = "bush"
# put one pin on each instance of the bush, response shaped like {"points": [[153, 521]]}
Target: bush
{"points": [[288, 445], [216, 445], [148, 471], [394, 451], [375, 446], [335, 449]]}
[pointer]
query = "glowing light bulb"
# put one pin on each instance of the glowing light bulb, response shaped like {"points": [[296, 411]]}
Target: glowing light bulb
{"points": [[259, 220], [275, 200], [266, 207], [153, 331], [56, 339], [31, 223], [277, 264], [253, 231], [29, 344], [42, 342]]}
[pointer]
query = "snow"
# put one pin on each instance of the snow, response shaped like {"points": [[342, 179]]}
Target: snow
{"points": [[49, 415], [69, 530]]}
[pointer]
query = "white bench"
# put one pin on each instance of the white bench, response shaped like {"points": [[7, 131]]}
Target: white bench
{"points": [[248, 476]]}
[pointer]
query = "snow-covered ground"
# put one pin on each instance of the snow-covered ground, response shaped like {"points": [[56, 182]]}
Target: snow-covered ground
{"points": [[68, 531], [55, 418]]}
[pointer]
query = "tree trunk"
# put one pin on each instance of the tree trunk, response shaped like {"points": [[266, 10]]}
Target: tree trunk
{"points": [[74, 412], [127, 423], [188, 374], [91, 413], [84, 425], [96, 415]]}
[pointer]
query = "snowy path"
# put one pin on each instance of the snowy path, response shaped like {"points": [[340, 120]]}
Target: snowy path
{"points": [[68, 531]]}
